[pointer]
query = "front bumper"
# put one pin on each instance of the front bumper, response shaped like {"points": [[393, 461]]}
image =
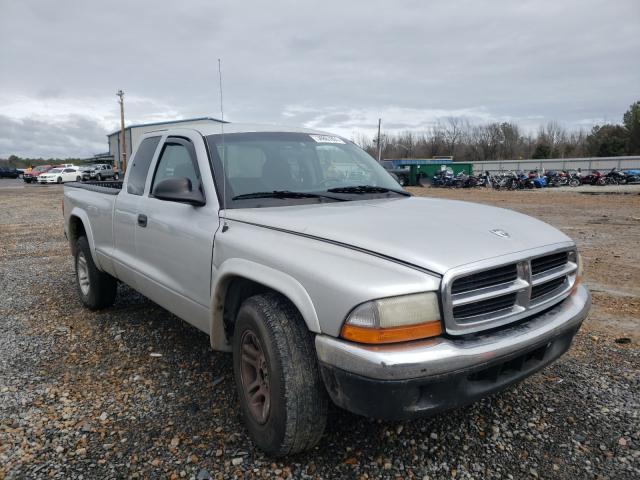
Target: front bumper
{"points": [[428, 376]]}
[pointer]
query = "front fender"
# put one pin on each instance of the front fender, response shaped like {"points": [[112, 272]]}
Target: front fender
{"points": [[270, 277]]}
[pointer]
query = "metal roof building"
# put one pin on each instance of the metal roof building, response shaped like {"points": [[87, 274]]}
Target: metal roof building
{"points": [[134, 132]]}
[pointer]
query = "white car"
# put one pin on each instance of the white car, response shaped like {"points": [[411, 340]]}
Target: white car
{"points": [[61, 175]]}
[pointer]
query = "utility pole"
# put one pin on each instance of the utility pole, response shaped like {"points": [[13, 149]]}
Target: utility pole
{"points": [[379, 144], [123, 142]]}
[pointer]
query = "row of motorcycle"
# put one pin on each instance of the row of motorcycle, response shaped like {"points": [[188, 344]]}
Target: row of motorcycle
{"points": [[516, 180]]}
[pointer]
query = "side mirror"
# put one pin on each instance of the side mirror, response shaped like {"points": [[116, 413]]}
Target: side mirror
{"points": [[178, 189]]}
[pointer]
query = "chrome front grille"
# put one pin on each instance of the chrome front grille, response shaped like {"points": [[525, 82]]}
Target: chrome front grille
{"points": [[487, 278], [482, 296]]}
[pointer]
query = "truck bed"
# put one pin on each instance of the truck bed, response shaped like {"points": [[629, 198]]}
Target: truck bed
{"points": [[108, 187]]}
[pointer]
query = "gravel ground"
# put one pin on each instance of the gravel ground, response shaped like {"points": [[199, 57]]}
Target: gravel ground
{"points": [[133, 392]]}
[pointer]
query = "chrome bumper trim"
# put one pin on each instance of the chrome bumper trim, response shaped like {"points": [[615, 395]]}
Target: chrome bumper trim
{"points": [[438, 356]]}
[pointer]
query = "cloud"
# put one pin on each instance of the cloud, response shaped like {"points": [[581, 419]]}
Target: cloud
{"points": [[338, 66], [77, 136]]}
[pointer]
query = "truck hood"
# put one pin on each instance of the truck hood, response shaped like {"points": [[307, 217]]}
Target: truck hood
{"points": [[430, 233]]}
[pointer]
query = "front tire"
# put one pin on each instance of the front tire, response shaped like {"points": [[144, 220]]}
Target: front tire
{"points": [[281, 394], [59, 180], [96, 289]]}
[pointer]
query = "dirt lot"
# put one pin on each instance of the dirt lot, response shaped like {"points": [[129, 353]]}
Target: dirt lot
{"points": [[132, 392]]}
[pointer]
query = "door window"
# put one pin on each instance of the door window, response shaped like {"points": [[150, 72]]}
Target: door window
{"points": [[176, 161], [140, 165]]}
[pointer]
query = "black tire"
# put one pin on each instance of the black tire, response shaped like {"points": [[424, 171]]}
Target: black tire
{"points": [[59, 180], [78, 178], [101, 288], [99, 177], [297, 412], [116, 176]]}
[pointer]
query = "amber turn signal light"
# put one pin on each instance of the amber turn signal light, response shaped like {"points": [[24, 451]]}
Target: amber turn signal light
{"points": [[391, 335]]}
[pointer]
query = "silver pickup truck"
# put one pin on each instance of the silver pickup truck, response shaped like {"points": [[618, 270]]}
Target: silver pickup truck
{"points": [[299, 253]]}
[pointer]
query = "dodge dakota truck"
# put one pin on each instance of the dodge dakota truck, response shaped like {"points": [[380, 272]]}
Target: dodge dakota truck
{"points": [[297, 252]]}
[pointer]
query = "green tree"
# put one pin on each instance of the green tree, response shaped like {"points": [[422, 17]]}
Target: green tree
{"points": [[631, 121], [608, 140], [542, 150]]}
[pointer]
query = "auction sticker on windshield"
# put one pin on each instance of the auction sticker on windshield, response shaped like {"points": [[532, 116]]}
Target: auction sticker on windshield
{"points": [[326, 139]]}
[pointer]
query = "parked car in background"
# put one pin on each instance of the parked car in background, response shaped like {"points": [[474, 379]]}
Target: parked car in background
{"points": [[103, 171], [60, 175], [35, 172], [85, 172], [400, 174], [9, 172]]}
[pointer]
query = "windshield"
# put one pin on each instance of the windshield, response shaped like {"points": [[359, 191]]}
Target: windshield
{"points": [[263, 162]]}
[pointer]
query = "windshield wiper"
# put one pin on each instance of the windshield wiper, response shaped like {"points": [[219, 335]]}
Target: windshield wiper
{"points": [[362, 189], [284, 194]]}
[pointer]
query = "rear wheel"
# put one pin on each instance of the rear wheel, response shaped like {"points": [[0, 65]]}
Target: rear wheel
{"points": [[282, 397], [96, 289]]}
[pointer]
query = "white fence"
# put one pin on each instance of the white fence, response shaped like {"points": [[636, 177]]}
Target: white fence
{"points": [[591, 163]]}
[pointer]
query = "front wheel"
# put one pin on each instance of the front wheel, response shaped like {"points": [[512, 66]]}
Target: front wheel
{"points": [[96, 289], [59, 180], [281, 394]]}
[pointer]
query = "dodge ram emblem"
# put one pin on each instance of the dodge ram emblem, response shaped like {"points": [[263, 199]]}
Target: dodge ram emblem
{"points": [[500, 233]]}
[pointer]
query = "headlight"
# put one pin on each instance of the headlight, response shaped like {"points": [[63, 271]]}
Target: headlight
{"points": [[394, 319]]}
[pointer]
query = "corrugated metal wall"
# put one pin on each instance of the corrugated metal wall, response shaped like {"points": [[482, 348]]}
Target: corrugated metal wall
{"points": [[593, 163]]}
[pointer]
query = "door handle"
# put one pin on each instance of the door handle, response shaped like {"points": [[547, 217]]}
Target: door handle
{"points": [[142, 220]]}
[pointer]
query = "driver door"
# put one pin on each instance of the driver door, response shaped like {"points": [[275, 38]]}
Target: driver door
{"points": [[173, 240]]}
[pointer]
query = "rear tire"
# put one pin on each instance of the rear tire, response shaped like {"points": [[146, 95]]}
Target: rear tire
{"points": [[96, 289], [274, 362]]}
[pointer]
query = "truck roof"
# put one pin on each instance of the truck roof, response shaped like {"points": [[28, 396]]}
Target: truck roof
{"points": [[216, 128]]}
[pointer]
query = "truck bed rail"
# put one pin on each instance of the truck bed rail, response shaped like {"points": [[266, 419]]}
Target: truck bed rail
{"points": [[110, 188]]}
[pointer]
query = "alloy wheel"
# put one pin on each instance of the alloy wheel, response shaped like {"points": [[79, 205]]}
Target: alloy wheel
{"points": [[254, 371]]}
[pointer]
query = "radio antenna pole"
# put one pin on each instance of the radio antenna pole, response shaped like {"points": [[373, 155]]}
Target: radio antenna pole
{"points": [[225, 227]]}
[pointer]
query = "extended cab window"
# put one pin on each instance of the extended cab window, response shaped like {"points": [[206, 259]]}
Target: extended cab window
{"points": [[140, 165], [177, 160]]}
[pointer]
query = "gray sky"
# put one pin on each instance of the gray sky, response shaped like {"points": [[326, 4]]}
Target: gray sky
{"points": [[334, 65]]}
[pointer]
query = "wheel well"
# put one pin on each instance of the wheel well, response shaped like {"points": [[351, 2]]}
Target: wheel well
{"points": [[76, 230], [237, 291]]}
